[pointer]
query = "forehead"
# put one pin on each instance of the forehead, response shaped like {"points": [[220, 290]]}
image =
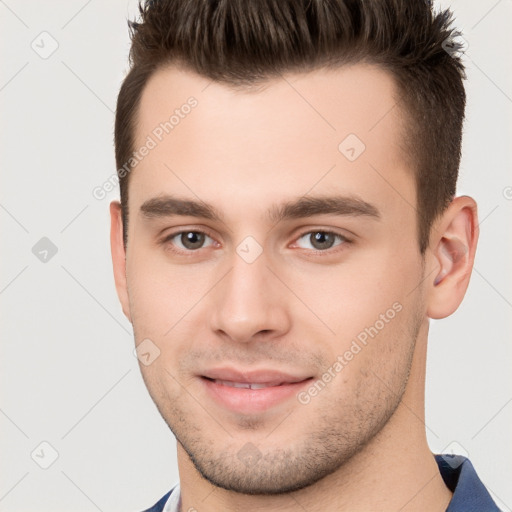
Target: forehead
{"points": [[322, 129], [331, 102]]}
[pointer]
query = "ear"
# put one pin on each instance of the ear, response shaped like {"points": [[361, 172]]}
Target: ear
{"points": [[119, 256], [453, 244]]}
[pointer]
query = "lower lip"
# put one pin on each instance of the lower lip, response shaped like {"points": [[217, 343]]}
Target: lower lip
{"points": [[247, 401]]}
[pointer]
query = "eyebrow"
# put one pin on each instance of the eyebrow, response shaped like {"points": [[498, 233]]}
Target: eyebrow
{"points": [[169, 206]]}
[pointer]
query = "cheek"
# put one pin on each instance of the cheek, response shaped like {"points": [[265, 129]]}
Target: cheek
{"points": [[165, 301], [360, 295], [161, 295], [374, 364]]}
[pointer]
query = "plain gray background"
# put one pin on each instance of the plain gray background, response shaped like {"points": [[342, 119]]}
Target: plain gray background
{"points": [[68, 375]]}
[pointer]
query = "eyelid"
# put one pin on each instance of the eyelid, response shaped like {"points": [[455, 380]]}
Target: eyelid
{"points": [[331, 231], [187, 229]]}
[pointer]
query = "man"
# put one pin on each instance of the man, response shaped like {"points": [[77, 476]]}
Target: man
{"points": [[287, 227]]}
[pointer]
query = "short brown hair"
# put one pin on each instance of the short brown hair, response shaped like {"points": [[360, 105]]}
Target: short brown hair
{"points": [[243, 43]]}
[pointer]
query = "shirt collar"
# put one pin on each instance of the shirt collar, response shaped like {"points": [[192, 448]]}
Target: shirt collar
{"points": [[469, 493]]}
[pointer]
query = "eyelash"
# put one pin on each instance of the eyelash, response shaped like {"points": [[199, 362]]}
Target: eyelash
{"points": [[327, 252]]}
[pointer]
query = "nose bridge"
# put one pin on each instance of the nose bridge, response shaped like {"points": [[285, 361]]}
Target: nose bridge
{"points": [[249, 300]]}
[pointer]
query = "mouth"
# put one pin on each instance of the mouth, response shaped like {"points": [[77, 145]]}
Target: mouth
{"points": [[251, 392], [247, 385]]}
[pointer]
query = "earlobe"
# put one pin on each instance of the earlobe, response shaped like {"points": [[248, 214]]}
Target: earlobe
{"points": [[119, 256], [453, 246]]}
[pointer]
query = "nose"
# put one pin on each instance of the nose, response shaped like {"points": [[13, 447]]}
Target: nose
{"points": [[249, 303]]}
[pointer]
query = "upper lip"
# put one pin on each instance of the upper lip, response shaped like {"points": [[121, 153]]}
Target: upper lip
{"points": [[263, 376]]}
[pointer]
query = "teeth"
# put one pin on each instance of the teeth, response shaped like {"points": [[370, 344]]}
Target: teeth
{"points": [[259, 386], [244, 385]]}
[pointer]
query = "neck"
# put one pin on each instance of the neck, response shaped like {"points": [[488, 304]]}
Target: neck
{"points": [[394, 471]]}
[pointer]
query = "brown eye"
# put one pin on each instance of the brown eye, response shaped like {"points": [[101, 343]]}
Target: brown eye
{"points": [[189, 240], [320, 240], [192, 239]]}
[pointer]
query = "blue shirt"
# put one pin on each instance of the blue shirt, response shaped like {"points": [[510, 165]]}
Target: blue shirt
{"points": [[469, 493]]}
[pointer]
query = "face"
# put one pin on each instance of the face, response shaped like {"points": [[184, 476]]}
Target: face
{"points": [[273, 267]]}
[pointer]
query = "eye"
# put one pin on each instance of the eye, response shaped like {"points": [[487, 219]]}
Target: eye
{"points": [[320, 240], [189, 240]]}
